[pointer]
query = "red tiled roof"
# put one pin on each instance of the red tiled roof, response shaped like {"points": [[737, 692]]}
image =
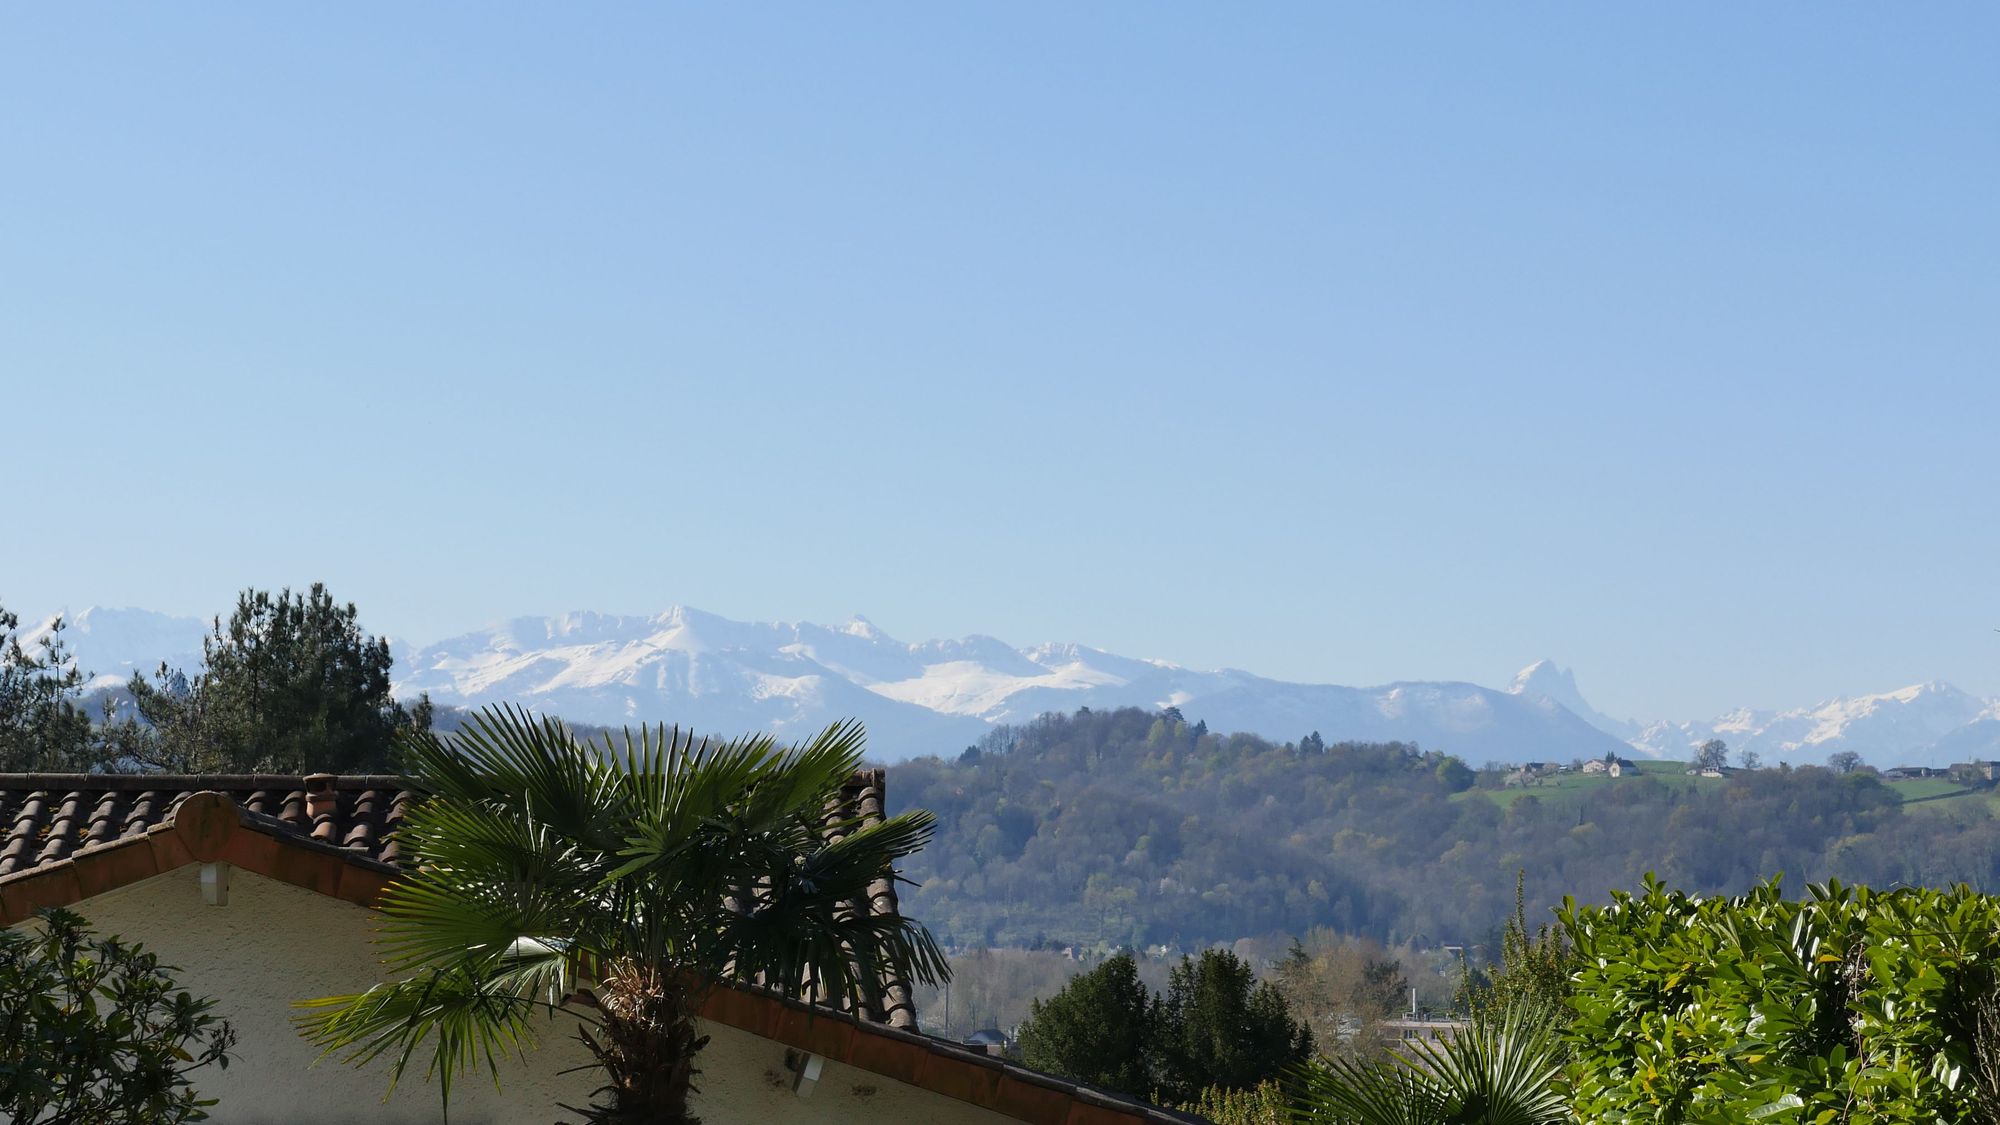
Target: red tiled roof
{"points": [[47, 817]]}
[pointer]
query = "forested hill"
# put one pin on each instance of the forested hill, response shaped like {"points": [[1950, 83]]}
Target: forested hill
{"points": [[1129, 826]]}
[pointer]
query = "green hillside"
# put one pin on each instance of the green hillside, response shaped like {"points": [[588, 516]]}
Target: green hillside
{"points": [[1132, 827]]}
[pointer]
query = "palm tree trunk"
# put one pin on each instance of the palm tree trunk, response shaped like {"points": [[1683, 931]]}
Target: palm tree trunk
{"points": [[648, 1047]]}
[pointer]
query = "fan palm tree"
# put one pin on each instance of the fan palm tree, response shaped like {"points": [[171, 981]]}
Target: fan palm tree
{"points": [[633, 876], [1496, 1072]]}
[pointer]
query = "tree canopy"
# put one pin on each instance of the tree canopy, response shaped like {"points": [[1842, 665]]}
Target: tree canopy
{"points": [[1216, 1028], [1117, 828], [290, 684], [1098, 1029]]}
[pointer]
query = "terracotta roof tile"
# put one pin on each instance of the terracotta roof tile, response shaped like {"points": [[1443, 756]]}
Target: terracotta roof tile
{"points": [[46, 817]]}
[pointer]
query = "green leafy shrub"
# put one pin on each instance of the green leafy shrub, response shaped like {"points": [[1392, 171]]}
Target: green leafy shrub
{"points": [[93, 1030], [1849, 1006]]}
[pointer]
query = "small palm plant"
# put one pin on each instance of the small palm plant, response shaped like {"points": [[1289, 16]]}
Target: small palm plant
{"points": [[635, 875], [1503, 1071]]}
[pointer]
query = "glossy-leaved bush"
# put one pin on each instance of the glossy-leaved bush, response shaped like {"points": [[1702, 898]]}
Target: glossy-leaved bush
{"points": [[93, 1029], [1848, 1005]]}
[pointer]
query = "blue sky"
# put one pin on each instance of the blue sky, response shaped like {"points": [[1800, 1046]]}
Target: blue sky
{"points": [[1338, 344]]}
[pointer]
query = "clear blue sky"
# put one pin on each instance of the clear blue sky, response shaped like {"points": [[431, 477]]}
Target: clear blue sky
{"points": [[1336, 343]]}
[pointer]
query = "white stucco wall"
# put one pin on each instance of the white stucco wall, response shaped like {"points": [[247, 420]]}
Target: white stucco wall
{"points": [[274, 944], [744, 1079]]}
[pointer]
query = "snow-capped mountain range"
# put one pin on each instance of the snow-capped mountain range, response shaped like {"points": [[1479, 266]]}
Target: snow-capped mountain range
{"points": [[718, 675]]}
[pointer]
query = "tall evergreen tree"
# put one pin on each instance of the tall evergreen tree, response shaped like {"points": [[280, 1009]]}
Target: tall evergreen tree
{"points": [[1097, 1029], [292, 683], [1219, 1026]]}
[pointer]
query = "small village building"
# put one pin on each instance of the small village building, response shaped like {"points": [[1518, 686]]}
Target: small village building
{"points": [[1530, 773], [259, 891], [1420, 1029], [1913, 773]]}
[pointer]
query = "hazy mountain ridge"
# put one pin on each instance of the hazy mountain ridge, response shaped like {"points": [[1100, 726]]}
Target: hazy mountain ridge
{"points": [[934, 696], [715, 674], [112, 644], [1930, 724]]}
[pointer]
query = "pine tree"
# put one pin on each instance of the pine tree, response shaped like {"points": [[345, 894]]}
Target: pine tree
{"points": [[1220, 1027], [292, 684], [1098, 1029]]}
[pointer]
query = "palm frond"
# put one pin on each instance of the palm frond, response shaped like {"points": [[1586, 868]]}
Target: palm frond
{"points": [[812, 928], [1509, 1068], [541, 865], [1503, 1072], [467, 1019], [1343, 1092], [510, 760]]}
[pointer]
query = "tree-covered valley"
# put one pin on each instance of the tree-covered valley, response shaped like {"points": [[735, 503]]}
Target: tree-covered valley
{"points": [[1134, 828]]}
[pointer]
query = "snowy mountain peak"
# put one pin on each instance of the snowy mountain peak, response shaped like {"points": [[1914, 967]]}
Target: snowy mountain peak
{"points": [[111, 644], [859, 626], [723, 676], [1544, 679], [1924, 724]]}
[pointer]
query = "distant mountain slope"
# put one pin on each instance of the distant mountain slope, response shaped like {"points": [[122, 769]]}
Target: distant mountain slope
{"points": [[714, 674], [1918, 725], [937, 696], [112, 644], [1931, 724], [1543, 678]]}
